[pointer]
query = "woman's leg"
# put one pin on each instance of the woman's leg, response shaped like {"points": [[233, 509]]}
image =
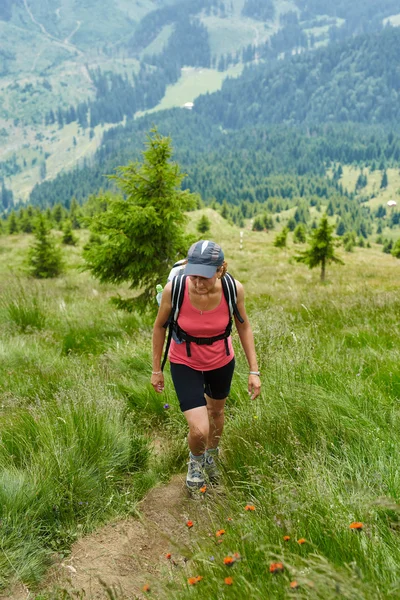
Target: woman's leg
{"points": [[216, 417], [197, 419], [189, 387]]}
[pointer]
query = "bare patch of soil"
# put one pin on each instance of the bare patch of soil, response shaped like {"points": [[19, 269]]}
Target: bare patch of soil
{"points": [[125, 555]]}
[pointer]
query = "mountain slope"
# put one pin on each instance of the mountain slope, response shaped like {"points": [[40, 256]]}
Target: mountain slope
{"points": [[358, 80]]}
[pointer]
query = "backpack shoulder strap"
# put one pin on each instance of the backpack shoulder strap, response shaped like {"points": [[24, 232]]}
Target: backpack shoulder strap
{"points": [[230, 293], [178, 285]]}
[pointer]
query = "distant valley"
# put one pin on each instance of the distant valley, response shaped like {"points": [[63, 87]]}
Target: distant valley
{"points": [[69, 72]]}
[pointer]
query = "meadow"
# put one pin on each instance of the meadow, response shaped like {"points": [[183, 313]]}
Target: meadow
{"points": [[317, 452]]}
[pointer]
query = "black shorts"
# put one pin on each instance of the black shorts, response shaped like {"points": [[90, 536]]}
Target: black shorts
{"points": [[191, 385]]}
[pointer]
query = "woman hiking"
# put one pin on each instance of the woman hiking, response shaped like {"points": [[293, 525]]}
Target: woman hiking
{"points": [[201, 355]]}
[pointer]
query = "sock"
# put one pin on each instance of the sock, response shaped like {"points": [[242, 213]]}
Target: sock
{"points": [[199, 458], [213, 451]]}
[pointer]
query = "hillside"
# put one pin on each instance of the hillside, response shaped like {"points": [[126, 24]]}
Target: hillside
{"points": [[83, 436], [83, 73]]}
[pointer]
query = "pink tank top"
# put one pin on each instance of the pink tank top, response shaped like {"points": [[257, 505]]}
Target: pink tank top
{"points": [[199, 323]]}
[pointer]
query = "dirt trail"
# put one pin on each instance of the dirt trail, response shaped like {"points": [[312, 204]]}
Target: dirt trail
{"points": [[127, 554]]}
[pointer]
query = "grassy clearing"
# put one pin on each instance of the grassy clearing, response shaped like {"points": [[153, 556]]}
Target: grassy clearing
{"points": [[192, 83], [381, 196], [315, 453]]}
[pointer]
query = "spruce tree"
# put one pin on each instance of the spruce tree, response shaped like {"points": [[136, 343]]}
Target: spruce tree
{"points": [[281, 238], [143, 232], [44, 257], [396, 249], [299, 234], [12, 224], [204, 224], [321, 250], [68, 235]]}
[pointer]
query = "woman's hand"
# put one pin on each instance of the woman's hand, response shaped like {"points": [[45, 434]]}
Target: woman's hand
{"points": [[157, 381], [254, 386]]}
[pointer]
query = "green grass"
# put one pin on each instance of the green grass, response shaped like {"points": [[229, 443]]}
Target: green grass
{"points": [[381, 196], [317, 451], [192, 83]]}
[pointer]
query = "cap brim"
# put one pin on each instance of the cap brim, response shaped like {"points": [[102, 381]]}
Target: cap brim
{"points": [[200, 270]]}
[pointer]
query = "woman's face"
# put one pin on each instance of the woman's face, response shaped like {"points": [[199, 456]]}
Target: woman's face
{"points": [[203, 285]]}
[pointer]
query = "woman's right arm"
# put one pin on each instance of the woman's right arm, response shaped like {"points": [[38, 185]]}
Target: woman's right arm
{"points": [[157, 378]]}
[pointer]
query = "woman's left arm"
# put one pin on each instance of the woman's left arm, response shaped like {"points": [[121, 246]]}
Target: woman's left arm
{"points": [[247, 340]]}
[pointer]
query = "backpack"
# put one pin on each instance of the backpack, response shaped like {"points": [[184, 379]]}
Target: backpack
{"points": [[179, 335]]}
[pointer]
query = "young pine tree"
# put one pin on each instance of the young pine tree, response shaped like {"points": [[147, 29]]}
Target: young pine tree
{"points": [[44, 257], [204, 224], [281, 239], [321, 250], [299, 234], [396, 249], [68, 237], [143, 233]]}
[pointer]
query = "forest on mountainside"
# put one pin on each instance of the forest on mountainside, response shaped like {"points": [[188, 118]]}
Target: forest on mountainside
{"points": [[256, 169], [358, 80]]}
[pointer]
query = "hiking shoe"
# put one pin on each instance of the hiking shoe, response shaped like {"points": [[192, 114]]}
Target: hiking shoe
{"points": [[211, 465], [195, 474]]}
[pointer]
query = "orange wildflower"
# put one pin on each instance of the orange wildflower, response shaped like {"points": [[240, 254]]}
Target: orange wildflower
{"points": [[294, 585], [203, 489], [220, 532], [356, 526], [228, 580], [286, 538], [189, 524], [276, 568], [168, 555], [301, 541], [229, 560], [229, 519], [146, 587], [249, 507], [194, 580]]}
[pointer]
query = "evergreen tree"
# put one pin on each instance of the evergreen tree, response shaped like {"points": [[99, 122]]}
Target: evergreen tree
{"points": [[341, 228], [68, 235], [12, 224], [349, 241], [388, 246], [396, 249], [44, 257], [258, 223], [143, 232], [321, 250], [204, 224], [384, 181], [299, 234], [281, 238]]}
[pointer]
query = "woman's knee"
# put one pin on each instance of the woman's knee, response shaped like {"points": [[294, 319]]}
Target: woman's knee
{"points": [[199, 432], [215, 412]]}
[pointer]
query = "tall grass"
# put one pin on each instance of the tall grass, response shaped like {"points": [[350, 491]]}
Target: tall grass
{"points": [[316, 453]]}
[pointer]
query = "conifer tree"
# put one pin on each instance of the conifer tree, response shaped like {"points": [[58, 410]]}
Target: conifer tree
{"points": [[396, 249], [68, 235], [204, 224], [12, 224], [299, 234], [321, 250], [44, 257], [281, 238], [142, 234]]}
